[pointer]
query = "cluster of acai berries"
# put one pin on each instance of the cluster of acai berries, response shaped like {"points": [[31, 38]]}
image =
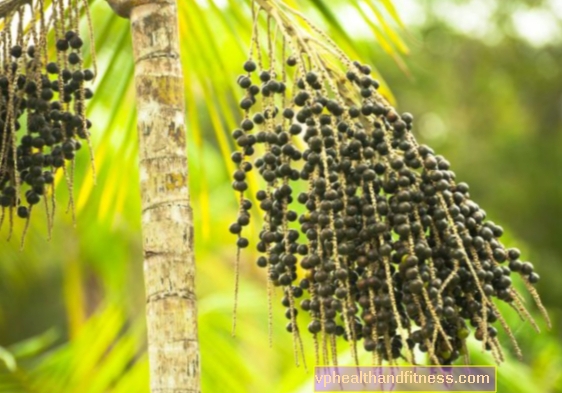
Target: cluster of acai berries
{"points": [[389, 249], [42, 119]]}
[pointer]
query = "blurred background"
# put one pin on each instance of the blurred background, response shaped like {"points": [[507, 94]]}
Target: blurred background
{"points": [[483, 79]]}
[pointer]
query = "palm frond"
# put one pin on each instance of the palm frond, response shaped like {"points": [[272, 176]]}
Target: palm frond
{"points": [[101, 354]]}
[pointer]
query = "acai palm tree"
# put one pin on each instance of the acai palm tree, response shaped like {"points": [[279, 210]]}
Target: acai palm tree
{"points": [[165, 100], [160, 37]]}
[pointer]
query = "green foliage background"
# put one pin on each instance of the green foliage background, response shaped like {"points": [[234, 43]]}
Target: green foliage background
{"points": [[488, 98]]}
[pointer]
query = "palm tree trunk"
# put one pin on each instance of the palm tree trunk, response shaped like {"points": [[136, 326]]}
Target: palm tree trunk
{"points": [[169, 268]]}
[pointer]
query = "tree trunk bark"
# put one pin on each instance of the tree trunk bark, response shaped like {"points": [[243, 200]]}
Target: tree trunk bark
{"points": [[167, 226]]}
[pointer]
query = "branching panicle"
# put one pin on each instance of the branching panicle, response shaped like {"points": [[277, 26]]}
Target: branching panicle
{"points": [[49, 97], [390, 250]]}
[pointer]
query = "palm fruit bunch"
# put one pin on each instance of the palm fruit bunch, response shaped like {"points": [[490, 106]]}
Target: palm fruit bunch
{"points": [[42, 107], [389, 250]]}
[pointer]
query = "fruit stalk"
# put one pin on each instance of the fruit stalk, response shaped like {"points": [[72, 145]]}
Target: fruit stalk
{"points": [[7, 6]]}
